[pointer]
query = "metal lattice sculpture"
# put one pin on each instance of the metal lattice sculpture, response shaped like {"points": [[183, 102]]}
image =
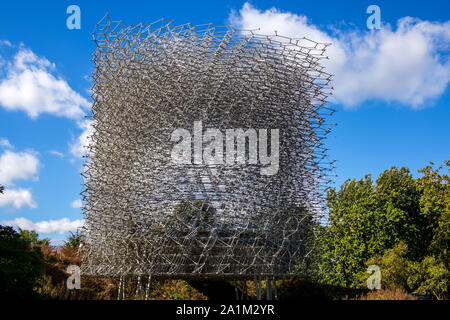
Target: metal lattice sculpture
{"points": [[148, 215]]}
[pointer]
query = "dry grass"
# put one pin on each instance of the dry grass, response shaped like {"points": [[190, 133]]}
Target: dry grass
{"points": [[53, 283], [387, 294]]}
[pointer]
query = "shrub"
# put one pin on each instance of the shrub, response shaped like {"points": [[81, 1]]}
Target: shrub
{"points": [[21, 265]]}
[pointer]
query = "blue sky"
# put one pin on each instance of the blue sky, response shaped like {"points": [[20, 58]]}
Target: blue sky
{"points": [[392, 88]]}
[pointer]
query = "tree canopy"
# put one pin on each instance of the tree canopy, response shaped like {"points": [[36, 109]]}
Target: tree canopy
{"points": [[399, 222], [21, 265], [32, 237], [74, 240]]}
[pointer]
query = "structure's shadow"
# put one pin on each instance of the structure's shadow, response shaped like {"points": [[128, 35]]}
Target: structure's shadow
{"points": [[293, 289], [214, 289]]}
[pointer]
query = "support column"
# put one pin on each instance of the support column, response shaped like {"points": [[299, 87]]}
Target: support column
{"points": [[236, 290], [259, 288], [119, 289], [124, 287], [245, 295], [268, 289], [256, 288], [275, 288], [147, 289], [138, 294]]}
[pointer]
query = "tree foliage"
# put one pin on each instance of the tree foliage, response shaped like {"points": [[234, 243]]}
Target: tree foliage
{"points": [[21, 265], [395, 266], [431, 275], [197, 215], [401, 223], [32, 237], [435, 205], [74, 240]]}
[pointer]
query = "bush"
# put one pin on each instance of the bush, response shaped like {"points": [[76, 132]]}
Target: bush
{"points": [[430, 276], [21, 265], [395, 268]]}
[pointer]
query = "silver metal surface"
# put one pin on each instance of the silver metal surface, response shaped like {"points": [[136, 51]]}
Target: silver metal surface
{"points": [[145, 215]]}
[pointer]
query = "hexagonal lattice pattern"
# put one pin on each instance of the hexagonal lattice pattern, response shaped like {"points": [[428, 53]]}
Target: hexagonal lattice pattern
{"points": [[146, 215]]}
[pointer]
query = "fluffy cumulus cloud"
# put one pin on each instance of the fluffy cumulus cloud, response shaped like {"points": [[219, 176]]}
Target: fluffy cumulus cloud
{"points": [[30, 85], [18, 166], [51, 226], [76, 204], [79, 147], [408, 64], [4, 143], [17, 198]]}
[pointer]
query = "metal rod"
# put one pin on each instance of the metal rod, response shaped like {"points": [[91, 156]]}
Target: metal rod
{"points": [[147, 289], [275, 288], [119, 289], [138, 294], [124, 287], [259, 288], [142, 211], [245, 291], [268, 289]]}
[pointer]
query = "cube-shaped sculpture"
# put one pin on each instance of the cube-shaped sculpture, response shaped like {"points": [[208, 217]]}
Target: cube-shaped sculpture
{"points": [[207, 155]]}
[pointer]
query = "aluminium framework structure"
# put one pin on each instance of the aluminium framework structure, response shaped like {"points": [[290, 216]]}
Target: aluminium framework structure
{"points": [[148, 215]]}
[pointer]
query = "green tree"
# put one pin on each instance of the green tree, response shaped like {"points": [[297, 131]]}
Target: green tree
{"points": [[32, 237], [431, 275], [399, 223], [395, 267], [428, 276], [192, 215], [21, 265], [303, 229], [435, 205], [351, 221], [367, 219], [74, 240]]}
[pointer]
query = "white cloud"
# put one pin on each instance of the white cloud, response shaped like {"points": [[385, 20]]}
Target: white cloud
{"points": [[17, 198], [5, 143], [51, 226], [409, 65], [20, 165], [5, 43], [79, 147], [57, 153], [76, 204], [31, 86]]}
